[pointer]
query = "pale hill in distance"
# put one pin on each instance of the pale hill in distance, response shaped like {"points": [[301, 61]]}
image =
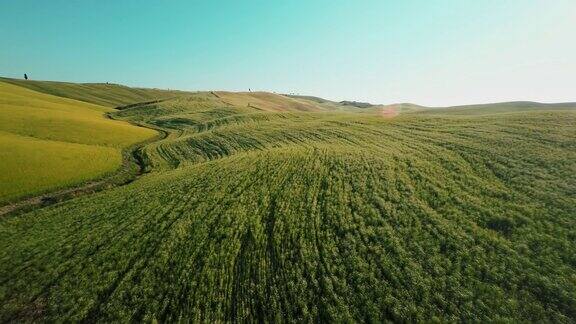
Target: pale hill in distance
{"points": [[497, 108]]}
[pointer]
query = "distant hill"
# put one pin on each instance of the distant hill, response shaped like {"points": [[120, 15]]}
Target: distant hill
{"points": [[105, 94], [267, 101], [495, 108], [357, 104], [311, 98], [334, 105]]}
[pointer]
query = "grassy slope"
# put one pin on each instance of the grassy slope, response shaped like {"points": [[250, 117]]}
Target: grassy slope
{"points": [[255, 215], [109, 95], [47, 142], [266, 101], [328, 104]]}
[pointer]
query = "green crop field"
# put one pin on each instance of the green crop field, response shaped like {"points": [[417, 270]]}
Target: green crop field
{"points": [[255, 210], [49, 142]]}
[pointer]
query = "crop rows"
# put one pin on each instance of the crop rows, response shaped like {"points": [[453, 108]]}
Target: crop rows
{"points": [[263, 216]]}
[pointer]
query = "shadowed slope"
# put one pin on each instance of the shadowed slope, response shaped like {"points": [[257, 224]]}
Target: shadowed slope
{"points": [[110, 95]]}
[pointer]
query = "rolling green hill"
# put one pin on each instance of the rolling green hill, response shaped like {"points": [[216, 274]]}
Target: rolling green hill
{"points": [[49, 142], [266, 101], [255, 211], [104, 94], [339, 106]]}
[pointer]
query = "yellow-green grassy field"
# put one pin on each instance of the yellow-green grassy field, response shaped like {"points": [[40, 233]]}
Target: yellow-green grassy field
{"points": [[48, 142]]}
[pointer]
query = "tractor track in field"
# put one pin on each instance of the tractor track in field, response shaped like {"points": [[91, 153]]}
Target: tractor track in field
{"points": [[134, 165]]}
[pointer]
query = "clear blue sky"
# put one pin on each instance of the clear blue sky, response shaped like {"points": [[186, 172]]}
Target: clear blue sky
{"points": [[433, 52]]}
